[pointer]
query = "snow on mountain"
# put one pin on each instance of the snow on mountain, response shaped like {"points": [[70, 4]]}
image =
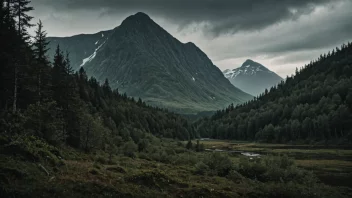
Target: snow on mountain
{"points": [[91, 57], [143, 60], [252, 77]]}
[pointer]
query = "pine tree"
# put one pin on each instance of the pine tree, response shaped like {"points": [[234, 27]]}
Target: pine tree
{"points": [[66, 94], [18, 9], [58, 75], [106, 88], [21, 8], [67, 65], [40, 71], [40, 44]]}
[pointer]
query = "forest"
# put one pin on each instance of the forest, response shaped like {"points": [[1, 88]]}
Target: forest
{"points": [[47, 99], [64, 134], [315, 104]]}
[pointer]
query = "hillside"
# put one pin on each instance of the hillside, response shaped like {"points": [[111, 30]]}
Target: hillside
{"points": [[252, 77], [64, 134], [143, 60], [314, 104], [79, 46]]}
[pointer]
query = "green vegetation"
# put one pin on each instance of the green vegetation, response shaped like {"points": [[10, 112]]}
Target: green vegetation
{"points": [[332, 165], [142, 59], [64, 135], [313, 105], [29, 167]]}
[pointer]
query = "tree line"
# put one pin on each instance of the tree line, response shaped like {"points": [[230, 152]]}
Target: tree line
{"points": [[48, 99], [314, 104]]}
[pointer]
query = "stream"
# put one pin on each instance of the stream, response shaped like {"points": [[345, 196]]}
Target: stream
{"points": [[244, 153]]}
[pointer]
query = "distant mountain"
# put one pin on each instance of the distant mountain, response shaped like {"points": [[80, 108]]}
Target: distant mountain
{"points": [[143, 60], [313, 105], [252, 77]]}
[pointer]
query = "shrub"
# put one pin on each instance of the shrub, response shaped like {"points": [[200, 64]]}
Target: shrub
{"points": [[101, 159], [274, 169], [33, 148], [251, 168], [219, 163], [184, 159], [201, 168], [235, 176], [129, 149], [160, 156]]}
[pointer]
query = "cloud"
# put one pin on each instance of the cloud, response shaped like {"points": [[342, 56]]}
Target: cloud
{"points": [[280, 34], [222, 16]]}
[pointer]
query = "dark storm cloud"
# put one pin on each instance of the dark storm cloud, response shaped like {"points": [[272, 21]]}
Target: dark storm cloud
{"points": [[281, 34], [221, 16], [331, 32]]}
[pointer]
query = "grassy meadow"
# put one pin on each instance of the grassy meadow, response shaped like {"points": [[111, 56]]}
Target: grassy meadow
{"points": [[30, 167], [332, 164]]}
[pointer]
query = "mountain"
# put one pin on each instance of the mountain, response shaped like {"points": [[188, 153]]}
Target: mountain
{"points": [[143, 60], [252, 77], [313, 105]]}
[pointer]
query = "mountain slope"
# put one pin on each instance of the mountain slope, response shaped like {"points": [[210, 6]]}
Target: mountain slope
{"points": [[143, 60], [252, 77], [315, 104], [79, 46]]}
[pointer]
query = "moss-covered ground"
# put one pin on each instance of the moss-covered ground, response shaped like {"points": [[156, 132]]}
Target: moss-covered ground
{"points": [[32, 168]]}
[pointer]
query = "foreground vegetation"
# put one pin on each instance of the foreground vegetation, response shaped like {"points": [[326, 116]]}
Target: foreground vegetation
{"points": [[332, 164], [29, 167], [63, 134]]}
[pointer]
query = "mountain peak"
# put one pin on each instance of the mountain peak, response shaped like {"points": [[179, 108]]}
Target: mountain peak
{"points": [[141, 15], [138, 18], [252, 77], [253, 64], [249, 62]]}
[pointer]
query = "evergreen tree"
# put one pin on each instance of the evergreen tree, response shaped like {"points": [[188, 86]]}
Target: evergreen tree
{"points": [[20, 10], [315, 104], [58, 75], [40, 71], [18, 61]]}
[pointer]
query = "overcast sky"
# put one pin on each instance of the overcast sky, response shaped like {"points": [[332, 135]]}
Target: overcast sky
{"points": [[280, 34]]}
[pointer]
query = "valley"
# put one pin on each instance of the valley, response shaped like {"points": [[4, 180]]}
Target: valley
{"points": [[332, 164], [134, 112]]}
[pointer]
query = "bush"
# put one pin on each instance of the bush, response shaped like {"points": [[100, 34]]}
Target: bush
{"points": [[44, 120], [290, 190], [33, 148], [101, 159], [201, 168], [160, 156], [251, 169], [129, 149], [235, 176], [274, 169], [219, 163], [184, 159]]}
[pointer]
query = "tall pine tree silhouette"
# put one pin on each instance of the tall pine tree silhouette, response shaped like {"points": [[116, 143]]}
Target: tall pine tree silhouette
{"points": [[40, 71]]}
